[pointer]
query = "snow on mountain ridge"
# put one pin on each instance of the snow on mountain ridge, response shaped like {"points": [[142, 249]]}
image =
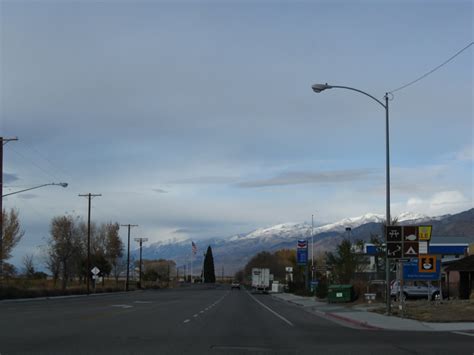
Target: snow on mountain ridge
{"points": [[291, 230]]}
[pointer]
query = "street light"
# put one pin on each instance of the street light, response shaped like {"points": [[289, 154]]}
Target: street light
{"points": [[62, 184], [317, 88]]}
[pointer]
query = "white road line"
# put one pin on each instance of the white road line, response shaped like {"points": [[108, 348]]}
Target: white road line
{"points": [[201, 311], [186, 321], [271, 310], [122, 306], [462, 333], [142, 302], [195, 315]]}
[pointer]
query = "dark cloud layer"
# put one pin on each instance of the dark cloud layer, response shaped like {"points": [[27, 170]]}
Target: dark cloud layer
{"points": [[298, 178]]}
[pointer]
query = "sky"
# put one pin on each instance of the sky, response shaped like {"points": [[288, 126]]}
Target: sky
{"points": [[196, 119]]}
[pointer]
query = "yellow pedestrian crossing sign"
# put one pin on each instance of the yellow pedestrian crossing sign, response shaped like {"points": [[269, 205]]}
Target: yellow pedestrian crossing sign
{"points": [[424, 232]]}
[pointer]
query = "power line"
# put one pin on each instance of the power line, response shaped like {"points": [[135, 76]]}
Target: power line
{"points": [[432, 70]]}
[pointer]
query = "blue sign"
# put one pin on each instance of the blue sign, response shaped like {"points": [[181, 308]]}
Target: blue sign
{"points": [[411, 271], [302, 256], [302, 252]]}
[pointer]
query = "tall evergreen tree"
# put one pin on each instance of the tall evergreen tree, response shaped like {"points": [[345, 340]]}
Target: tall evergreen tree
{"points": [[209, 273]]}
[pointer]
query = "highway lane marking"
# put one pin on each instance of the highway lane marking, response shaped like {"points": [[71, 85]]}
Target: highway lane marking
{"points": [[271, 310], [122, 306], [142, 302], [207, 308], [463, 333]]}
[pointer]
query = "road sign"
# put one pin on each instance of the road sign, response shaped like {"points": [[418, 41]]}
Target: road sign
{"points": [[422, 247], [424, 232], [394, 250], [410, 249], [289, 269], [411, 271], [394, 233], [427, 264], [410, 234], [95, 270]]}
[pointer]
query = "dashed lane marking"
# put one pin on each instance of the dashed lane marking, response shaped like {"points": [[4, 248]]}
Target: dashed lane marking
{"points": [[187, 321]]}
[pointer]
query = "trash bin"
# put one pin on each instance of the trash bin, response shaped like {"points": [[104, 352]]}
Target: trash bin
{"points": [[340, 293]]}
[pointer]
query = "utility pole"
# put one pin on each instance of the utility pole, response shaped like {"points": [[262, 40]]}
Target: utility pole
{"points": [[89, 196], [140, 240], [3, 141], [312, 248], [128, 252], [204, 269]]}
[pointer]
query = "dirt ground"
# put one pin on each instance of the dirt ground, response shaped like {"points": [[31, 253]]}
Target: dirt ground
{"points": [[437, 311]]}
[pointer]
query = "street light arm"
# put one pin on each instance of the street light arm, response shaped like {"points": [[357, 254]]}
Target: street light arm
{"points": [[360, 91], [63, 184]]}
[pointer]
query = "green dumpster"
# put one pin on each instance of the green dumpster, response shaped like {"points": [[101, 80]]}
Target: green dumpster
{"points": [[340, 293]]}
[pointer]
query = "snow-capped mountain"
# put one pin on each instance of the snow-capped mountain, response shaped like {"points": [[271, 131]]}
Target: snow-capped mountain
{"points": [[234, 251]]}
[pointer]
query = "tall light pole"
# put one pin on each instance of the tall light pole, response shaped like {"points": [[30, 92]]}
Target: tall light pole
{"points": [[88, 271], [317, 88], [140, 240], [128, 252], [312, 248]]}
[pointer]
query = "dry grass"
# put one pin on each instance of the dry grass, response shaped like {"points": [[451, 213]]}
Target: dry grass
{"points": [[438, 311]]}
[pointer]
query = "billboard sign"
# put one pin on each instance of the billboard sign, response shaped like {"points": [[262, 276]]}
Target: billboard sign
{"points": [[302, 252], [411, 269]]}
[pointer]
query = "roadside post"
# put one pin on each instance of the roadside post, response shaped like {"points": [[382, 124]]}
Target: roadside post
{"points": [[95, 271]]}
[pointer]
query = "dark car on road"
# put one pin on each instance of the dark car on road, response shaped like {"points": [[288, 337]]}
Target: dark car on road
{"points": [[235, 284]]}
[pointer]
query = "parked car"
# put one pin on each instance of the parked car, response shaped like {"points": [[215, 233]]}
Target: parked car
{"points": [[235, 284], [414, 290]]}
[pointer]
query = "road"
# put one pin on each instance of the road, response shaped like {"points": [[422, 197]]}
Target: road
{"points": [[197, 320]]}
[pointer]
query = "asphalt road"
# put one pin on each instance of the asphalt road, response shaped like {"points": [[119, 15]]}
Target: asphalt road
{"points": [[198, 320]]}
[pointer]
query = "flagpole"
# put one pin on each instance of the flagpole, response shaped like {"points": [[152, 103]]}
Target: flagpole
{"points": [[192, 254]]}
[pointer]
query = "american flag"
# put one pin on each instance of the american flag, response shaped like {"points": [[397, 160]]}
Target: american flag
{"points": [[194, 248]]}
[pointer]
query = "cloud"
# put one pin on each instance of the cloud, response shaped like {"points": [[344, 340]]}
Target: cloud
{"points": [[439, 203], [8, 178], [27, 196], [466, 154], [160, 191], [206, 180], [299, 178]]}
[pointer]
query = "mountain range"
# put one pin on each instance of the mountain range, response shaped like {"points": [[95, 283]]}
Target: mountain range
{"points": [[233, 252]]}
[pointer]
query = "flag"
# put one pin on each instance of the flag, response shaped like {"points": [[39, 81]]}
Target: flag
{"points": [[194, 248]]}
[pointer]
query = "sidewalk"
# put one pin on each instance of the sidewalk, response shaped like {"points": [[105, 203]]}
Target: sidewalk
{"points": [[360, 315]]}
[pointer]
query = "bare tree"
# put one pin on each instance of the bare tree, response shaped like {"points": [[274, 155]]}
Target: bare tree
{"points": [[64, 245], [28, 264]]}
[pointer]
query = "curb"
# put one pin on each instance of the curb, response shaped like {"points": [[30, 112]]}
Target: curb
{"points": [[352, 321]]}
